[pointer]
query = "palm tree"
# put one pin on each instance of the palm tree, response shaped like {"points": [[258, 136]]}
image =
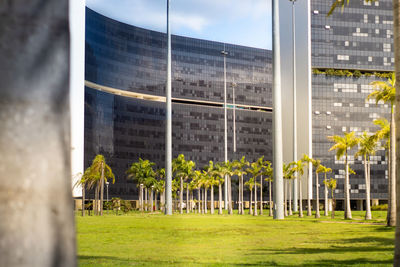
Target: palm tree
{"points": [[149, 183], [331, 184], [324, 170], [160, 173], [255, 171], [139, 171], [250, 184], [263, 164], [342, 145], [183, 170], [212, 176], [240, 165], [368, 145], [269, 173], [316, 164], [298, 167], [385, 91], [307, 161], [229, 170], [288, 175], [97, 174], [220, 179]]}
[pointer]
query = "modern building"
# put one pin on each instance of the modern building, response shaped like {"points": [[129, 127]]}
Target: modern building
{"points": [[125, 74], [125, 83]]}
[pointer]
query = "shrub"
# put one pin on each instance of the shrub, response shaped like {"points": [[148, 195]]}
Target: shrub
{"points": [[380, 207], [357, 74]]}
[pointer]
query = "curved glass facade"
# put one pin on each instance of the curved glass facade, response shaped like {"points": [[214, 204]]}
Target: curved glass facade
{"points": [[132, 59]]}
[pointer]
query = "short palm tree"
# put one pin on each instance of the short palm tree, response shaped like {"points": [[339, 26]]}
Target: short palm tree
{"points": [[316, 164], [183, 170], [307, 161], [331, 184], [240, 165], [385, 91], [255, 170], [250, 184], [368, 144], [138, 171], [342, 145], [298, 167], [220, 179], [268, 172], [96, 176], [288, 175], [325, 170]]}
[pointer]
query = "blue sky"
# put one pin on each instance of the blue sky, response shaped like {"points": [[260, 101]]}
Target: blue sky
{"points": [[244, 22]]}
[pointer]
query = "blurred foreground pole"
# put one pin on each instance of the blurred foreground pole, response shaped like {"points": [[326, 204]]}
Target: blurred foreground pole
{"points": [[277, 119], [37, 223]]}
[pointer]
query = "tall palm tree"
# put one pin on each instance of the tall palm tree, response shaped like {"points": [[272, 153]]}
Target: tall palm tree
{"points": [[255, 170], [212, 176], [229, 170], [240, 165], [316, 164], [325, 170], [368, 144], [268, 172], [331, 184], [307, 161], [342, 145], [139, 171], [385, 91], [263, 164], [298, 167]]}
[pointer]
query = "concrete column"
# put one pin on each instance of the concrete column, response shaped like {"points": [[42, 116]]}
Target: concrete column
{"points": [[36, 207]]}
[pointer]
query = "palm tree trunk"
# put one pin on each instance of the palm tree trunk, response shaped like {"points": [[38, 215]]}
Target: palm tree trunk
{"points": [[270, 198], [242, 194], [191, 201], [333, 205], [199, 200], [300, 199], [205, 200], [141, 197], [83, 199], [145, 199], [96, 197], [255, 197], [230, 204], [261, 195], [317, 215], [212, 199], [155, 200], [162, 201], [151, 200], [368, 215], [389, 184], [392, 198], [308, 192], [187, 198], [290, 197], [239, 196], [220, 198], [181, 197], [285, 213], [326, 197], [102, 189], [251, 198], [347, 212]]}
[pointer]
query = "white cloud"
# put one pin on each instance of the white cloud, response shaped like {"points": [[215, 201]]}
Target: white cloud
{"points": [[195, 18]]}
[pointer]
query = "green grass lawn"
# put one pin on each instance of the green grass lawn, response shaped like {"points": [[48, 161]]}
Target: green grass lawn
{"points": [[211, 240]]}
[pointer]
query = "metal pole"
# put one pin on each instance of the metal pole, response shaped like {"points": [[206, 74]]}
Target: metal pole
{"points": [[295, 196], [168, 126], [277, 111], [234, 117], [224, 54]]}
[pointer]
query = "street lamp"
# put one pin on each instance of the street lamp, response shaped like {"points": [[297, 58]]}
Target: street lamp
{"points": [[234, 116], [295, 196], [224, 54]]}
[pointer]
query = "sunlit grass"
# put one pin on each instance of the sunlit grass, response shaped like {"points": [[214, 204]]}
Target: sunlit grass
{"points": [[212, 240]]}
